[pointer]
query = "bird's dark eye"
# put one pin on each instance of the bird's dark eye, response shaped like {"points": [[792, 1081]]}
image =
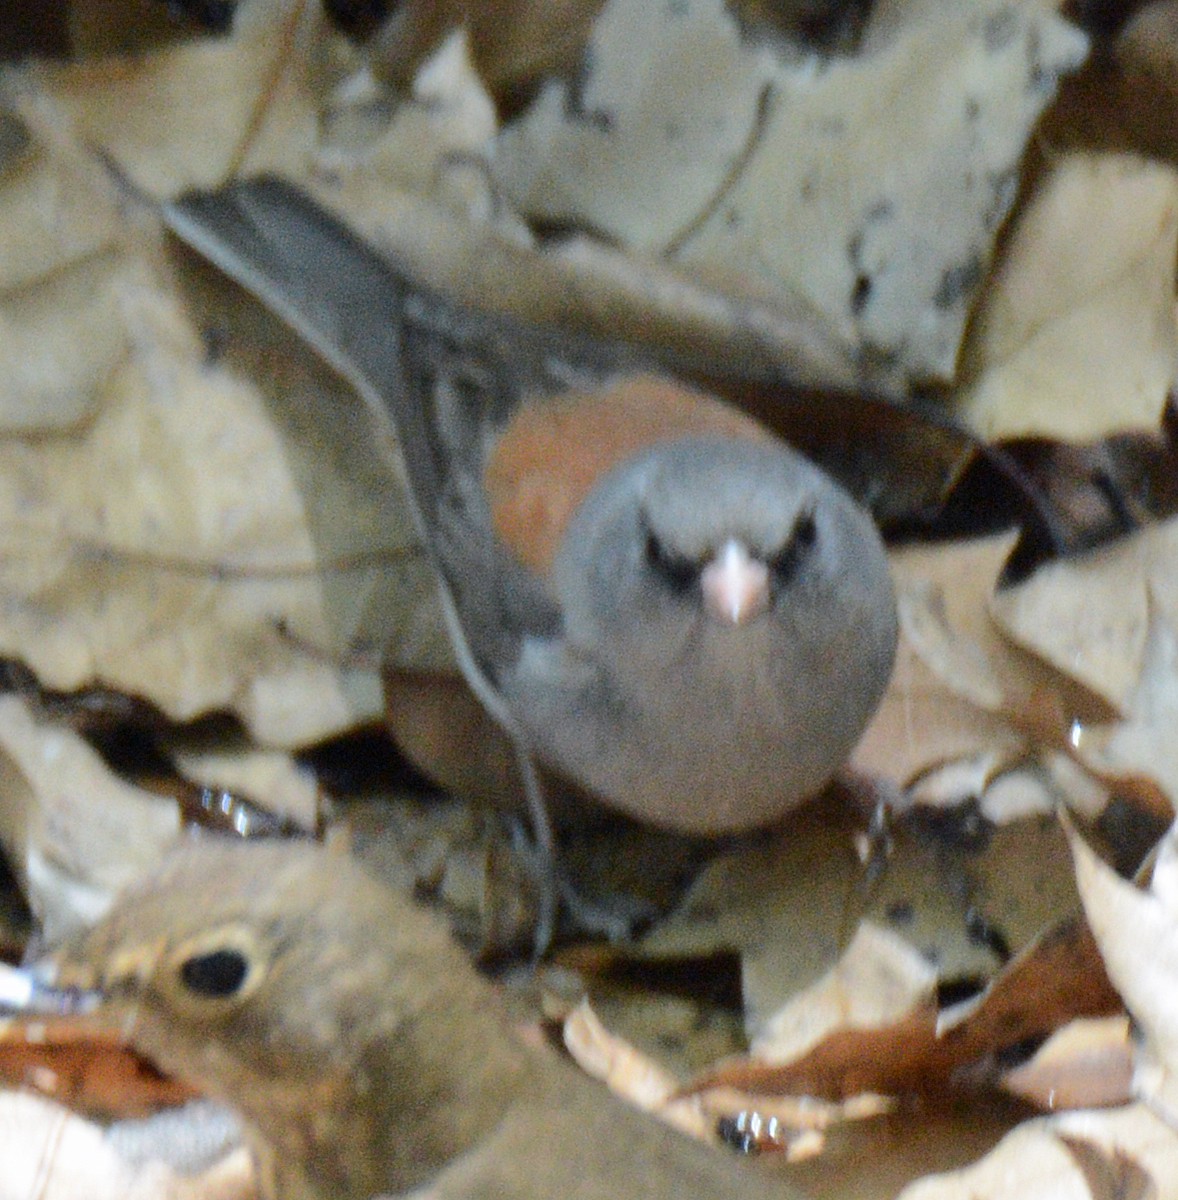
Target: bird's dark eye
{"points": [[802, 540], [218, 974], [679, 572]]}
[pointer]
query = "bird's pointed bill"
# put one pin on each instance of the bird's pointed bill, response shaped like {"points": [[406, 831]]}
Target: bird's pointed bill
{"points": [[735, 585]]}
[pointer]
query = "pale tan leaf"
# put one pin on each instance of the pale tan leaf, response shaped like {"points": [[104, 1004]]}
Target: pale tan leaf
{"points": [[1040, 1159], [57, 208], [880, 978], [1089, 615], [74, 832], [779, 180], [216, 537], [1078, 343], [954, 673], [1144, 742], [271, 779], [1138, 938], [195, 113], [1088, 1063], [631, 1074], [48, 384], [637, 153], [50, 1154]]}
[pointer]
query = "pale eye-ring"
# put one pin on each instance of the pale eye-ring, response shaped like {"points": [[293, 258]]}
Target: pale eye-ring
{"points": [[217, 967]]}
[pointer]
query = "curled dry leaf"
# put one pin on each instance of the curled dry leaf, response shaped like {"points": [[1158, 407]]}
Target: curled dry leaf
{"points": [[793, 1126], [945, 698], [74, 832], [1138, 938], [963, 894], [514, 44], [270, 779], [631, 1074], [961, 691], [1059, 688], [1087, 1064], [1142, 747], [1054, 980], [788, 904]]}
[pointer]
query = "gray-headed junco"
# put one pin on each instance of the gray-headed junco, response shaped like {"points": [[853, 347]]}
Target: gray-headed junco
{"points": [[651, 593]]}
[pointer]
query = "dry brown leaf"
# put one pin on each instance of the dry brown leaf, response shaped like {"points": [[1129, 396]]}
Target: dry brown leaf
{"points": [[960, 893], [1077, 343], [789, 904], [1053, 981], [961, 694], [515, 43], [93, 1073], [793, 1126], [1149, 42]]}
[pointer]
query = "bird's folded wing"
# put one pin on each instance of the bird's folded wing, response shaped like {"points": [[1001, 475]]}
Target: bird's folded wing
{"points": [[440, 379]]}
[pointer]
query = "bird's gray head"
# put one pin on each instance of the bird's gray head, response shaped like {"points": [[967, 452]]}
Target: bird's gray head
{"points": [[723, 537]]}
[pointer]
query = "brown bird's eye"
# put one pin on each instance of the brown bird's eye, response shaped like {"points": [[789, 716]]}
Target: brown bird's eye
{"points": [[218, 974], [802, 540]]}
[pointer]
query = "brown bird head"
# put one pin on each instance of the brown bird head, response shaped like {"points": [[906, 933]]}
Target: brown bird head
{"points": [[323, 1007]]}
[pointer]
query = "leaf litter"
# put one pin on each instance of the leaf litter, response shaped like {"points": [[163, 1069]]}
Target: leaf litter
{"points": [[145, 402]]}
